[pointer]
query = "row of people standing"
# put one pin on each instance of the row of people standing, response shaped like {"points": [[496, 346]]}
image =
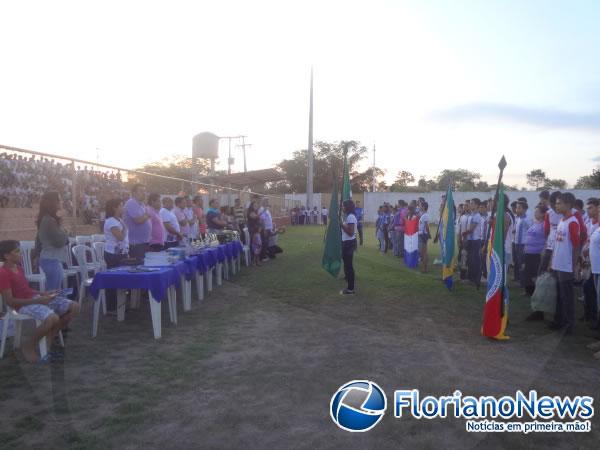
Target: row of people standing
{"points": [[305, 216], [404, 228]]}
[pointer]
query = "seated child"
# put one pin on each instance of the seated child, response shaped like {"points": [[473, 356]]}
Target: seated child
{"points": [[53, 311]]}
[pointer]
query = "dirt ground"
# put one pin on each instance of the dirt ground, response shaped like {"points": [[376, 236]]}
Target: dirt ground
{"points": [[255, 366]]}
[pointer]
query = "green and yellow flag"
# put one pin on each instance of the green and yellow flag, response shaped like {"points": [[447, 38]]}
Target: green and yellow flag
{"points": [[447, 239]]}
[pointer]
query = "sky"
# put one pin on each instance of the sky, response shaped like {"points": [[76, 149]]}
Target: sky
{"points": [[433, 84]]}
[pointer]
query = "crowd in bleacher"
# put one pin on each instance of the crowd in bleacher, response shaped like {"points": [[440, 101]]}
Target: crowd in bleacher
{"points": [[23, 180]]}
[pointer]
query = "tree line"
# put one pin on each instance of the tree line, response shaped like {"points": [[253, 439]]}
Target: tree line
{"points": [[328, 162]]}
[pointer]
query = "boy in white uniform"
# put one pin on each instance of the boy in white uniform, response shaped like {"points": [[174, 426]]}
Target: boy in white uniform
{"points": [[564, 261]]}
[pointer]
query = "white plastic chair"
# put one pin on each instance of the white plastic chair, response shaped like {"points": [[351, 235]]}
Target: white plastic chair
{"points": [[12, 316], [98, 238], [246, 249], [88, 241], [70, 270], [81, 253], [98, 247], [26, 251], [83, 240]]}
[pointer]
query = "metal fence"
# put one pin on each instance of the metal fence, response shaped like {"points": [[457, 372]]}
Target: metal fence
{"points": [[280, 205]]}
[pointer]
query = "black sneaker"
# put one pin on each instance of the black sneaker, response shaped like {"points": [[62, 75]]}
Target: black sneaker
{"points": [[346, 292]]}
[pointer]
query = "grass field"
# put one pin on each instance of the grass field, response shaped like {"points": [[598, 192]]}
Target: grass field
{"points": [[255, 365]]}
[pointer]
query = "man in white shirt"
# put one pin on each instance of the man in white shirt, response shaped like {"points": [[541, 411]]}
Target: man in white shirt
{"points": [[191, 218], [324, 213], [267, 221], [472, 235], [171, 223], [424, 235], [463, 222]]}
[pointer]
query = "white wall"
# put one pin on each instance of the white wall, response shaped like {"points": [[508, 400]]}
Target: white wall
{"points": [[301, 200]]}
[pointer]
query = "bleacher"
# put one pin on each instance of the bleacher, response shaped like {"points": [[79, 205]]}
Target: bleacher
{"points": [[19, 224]]}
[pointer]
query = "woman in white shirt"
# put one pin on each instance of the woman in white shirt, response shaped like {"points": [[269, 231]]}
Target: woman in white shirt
{"points": [[116, 247], [348, 245]]}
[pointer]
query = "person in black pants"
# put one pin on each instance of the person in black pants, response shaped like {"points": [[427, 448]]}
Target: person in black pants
{"points": [[348, 244]]}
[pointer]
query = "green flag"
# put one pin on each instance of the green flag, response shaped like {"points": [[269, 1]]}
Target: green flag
{"points": [[346, 189], [332, 253]]}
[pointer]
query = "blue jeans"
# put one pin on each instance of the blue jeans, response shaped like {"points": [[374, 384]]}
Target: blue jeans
{"points": [[54, 273]]}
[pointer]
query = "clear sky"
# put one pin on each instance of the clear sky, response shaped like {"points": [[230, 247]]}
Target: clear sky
{"points": [[435, 84]]}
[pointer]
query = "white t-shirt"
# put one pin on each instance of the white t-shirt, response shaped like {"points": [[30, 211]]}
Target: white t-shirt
{"points": [[595, 251], [562, 256], [476, 220], [169, 217], [424, 219], [350, 218], [554, 218], [113, 245], [267, 219], [463, 222], [324, 211]]}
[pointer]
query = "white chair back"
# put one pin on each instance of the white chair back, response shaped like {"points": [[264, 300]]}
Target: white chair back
{"points": [[247, 236], [83, 240], [99, 252], [98, 238], [27, 248], [81, 253], [68, 256]]}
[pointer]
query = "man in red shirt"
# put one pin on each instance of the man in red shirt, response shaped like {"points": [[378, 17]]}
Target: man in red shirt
{"points": [[54, 312]]}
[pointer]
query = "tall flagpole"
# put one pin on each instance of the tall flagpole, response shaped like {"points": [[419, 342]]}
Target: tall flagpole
{"points": [[374, 178], [309, 176]]}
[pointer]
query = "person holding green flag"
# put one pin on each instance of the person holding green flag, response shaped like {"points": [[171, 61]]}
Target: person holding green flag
{"points": [[349, 226]]}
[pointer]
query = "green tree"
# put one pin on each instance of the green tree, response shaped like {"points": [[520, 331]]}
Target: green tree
{"points": [[536, 179], [461, 179], [363, 181], [403, 179], [177, 166], [328, 160], [555, 184], [591, 181]]}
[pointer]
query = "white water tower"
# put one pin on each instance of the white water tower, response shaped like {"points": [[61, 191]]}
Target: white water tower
{"points": [[206, 145]]}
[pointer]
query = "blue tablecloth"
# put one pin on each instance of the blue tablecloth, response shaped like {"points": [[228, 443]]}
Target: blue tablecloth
{"points": [[227, 250], [236, 248], [215, 255], [156, 282]]}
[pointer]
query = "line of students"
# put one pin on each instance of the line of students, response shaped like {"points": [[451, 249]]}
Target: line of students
{"points": [[394, 228], [558, 236]]}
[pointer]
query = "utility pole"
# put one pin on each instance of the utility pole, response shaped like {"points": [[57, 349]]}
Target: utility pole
{"points": [[229, 159], [309, 176], [244, 145], [374, 178], [229, 162]]}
